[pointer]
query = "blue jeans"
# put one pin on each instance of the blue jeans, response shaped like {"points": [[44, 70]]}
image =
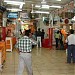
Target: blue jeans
{"points": [[71, 53], [57, 41]]}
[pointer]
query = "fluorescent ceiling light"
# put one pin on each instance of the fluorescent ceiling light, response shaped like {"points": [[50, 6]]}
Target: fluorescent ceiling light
{"points": [[37, 6], [41, 12], [58, 0], [45, 6], [54, 6], [43, 2], [21, 5], [14, 9], [13, 2]]}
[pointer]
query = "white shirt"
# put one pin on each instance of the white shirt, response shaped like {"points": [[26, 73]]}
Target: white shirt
{"points": [[71, 39]]}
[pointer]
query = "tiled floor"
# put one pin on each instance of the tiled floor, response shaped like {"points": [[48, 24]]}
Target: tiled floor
{"points": [[44, 62]]}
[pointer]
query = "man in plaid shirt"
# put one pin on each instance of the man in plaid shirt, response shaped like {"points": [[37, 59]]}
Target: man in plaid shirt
{"points": [[24, 46]]}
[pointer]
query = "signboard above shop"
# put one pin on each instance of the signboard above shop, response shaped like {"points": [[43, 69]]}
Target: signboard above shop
{"points": [[12, 15], [24, 15]]}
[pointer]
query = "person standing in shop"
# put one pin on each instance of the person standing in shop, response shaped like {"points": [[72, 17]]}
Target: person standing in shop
{"points": [[57, 37], [24, 46], [71, 47], [38, 35]]}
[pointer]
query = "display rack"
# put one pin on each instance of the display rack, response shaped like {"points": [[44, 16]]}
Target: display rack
{"points": [[2, 53], [10, 42]]}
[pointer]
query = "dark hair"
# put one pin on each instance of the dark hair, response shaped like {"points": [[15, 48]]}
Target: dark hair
{"points": [[39, 29], [72, 31], [57, 31], [27, 32], [42, 29]]}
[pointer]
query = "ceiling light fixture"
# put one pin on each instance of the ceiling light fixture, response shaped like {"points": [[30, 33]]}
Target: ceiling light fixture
{"points": [[21, 5], [54, 6], [40, 12], [43, 2], [43, 12], [14, 9], [45, 6], [14, 2], [58, 0], [37, 6]]}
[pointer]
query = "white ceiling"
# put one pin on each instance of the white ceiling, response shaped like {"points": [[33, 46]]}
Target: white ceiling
{"points": [[28, 4]]}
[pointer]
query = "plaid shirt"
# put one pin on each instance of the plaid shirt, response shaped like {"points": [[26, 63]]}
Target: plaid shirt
{"points": [[25, 44]]}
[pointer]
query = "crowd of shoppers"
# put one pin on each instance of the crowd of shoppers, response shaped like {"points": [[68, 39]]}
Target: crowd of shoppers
{"points": [[70, 42]]}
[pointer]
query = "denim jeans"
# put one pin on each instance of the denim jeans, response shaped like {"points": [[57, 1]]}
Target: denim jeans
{"points": [[71, 53], [57, 41]]}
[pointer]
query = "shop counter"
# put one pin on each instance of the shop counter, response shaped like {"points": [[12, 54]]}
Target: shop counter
{"points": [[10, 42]]}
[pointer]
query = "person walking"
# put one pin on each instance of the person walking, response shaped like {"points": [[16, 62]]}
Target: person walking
{"points": [[71, 47], [24, 46]]}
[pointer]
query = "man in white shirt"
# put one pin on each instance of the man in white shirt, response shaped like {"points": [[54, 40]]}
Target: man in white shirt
{"points": [[71, 47]]}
